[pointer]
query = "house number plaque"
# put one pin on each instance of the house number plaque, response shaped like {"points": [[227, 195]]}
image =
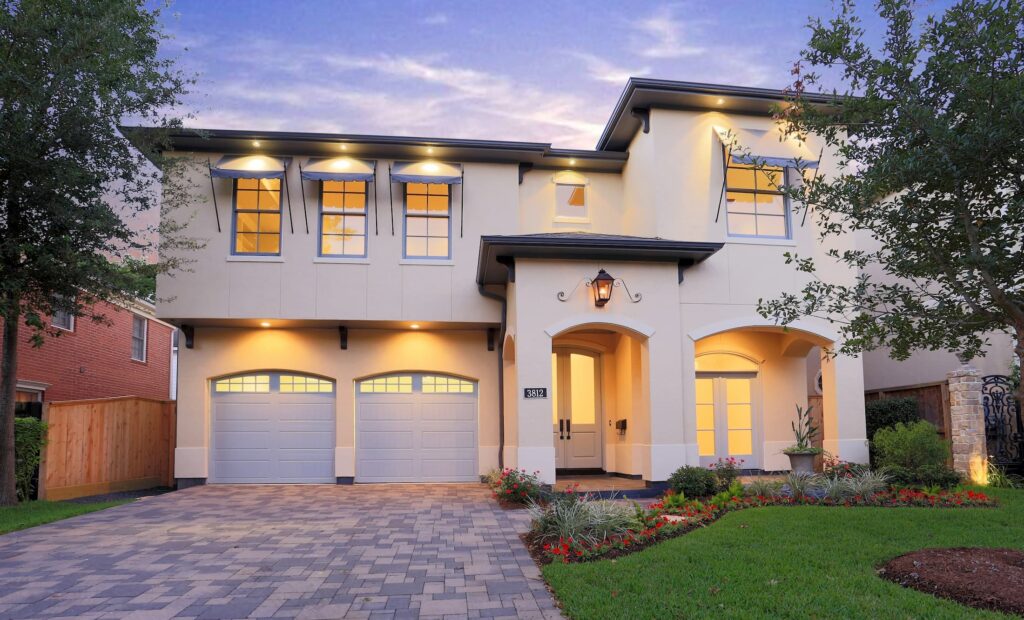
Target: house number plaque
{"points": [[535, 392]]}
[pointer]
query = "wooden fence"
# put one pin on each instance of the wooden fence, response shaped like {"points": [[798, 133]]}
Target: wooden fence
{"points": [[932, 401], [107, 445]]}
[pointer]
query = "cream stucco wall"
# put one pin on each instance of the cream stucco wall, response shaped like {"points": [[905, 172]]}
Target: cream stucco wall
{"points": [[669, 188], [226, 351]]}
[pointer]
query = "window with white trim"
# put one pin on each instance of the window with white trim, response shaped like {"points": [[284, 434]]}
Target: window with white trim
{"points": [[251, 384], [62, 319], [571, 202], [343, 218], [394, 384], [755, 204], [427, 220], [139, 332]]}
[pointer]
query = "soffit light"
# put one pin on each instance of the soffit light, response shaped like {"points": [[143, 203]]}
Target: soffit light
{"points": [[264, 323], [602, 284], [414, 326], [256, 143]]}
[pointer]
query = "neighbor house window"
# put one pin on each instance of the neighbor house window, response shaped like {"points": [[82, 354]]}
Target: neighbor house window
{"points": [[343, 218], [139, 325], [62, 319], [571, 202], [427, 220], [257, 216], [756, 206]]}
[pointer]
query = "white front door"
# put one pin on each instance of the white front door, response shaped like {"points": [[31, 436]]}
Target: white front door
{"points": [[727, 416], [576, 409]]}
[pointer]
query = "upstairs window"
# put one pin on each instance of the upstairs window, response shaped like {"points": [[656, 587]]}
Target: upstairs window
{"points": [[139, 325], [754, 201], [571, 202], [62, 319], [257, 218], [343, 218], [427, 220]]}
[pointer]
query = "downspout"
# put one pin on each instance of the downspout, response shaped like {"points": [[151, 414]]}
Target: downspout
{"points": [[501, 370]]}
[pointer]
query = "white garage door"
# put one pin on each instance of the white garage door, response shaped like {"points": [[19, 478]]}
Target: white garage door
{"points": [[416, 428], [272, 427]]}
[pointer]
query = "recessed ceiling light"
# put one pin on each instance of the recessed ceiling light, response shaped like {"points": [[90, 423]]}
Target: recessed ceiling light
{"points": [[720, 101], [256, 143], [344, 147], [264, 324], [572, 162], [430, 150], [414, 326]]}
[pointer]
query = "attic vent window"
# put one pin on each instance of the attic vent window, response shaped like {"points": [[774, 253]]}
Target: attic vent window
{"points": [[571, 198]]}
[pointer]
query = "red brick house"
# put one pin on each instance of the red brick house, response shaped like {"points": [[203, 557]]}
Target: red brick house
{"points": [[129, 356]]}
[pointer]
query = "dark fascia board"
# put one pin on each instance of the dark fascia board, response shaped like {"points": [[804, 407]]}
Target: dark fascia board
{"points": [[644, 94], [495, 250], [541, 155]]}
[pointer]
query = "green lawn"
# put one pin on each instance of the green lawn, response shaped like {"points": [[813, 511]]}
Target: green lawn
{"points": [[31, 514], [787, 562]]}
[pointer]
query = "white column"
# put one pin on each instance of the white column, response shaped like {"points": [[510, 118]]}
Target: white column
{"points": [[536, 448], [845, 431]]}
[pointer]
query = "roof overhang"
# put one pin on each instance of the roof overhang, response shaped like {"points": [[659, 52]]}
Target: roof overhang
{"points": [[643, 94], [498, 252], [284, 144]]}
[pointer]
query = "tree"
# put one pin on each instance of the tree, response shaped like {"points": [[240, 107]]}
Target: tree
{"points": [[70, 183], [928, 131]]}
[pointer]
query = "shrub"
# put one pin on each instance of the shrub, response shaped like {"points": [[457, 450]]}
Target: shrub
{"points": [[29, 439], [834, 468], [932, 476], [803, 484], [1000, 479], [726, 470], [693, 481], [517, 486], [583, 519], [888, 412], [911, 446]]}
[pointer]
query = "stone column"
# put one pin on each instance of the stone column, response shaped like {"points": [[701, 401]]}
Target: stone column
{"points": [[967, 422]]}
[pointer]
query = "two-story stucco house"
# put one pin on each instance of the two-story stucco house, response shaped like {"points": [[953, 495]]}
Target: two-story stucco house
{"points": [[384, 309]]}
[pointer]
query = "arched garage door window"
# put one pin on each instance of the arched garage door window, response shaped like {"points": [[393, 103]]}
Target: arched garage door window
{"points": [[416, 427], [271, 427]]}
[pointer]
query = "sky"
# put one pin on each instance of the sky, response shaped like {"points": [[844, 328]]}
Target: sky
{"points": [[528, 71]]}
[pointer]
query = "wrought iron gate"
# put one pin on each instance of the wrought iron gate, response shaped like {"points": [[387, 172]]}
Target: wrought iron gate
{"points": [[1004, 432]]}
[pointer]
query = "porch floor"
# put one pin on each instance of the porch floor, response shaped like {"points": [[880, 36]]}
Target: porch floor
{"points": [[598, 483]]}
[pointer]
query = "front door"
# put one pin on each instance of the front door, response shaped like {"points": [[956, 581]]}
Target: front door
{"points": [[726, 418], [576, 409]]}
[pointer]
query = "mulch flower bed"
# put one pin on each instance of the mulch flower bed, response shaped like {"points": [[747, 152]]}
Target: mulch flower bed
{"points": [[663, 522], [976, 577]]}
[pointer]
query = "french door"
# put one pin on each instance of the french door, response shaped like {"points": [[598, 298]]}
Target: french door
{"points": [[576, 409], [727, 417]]}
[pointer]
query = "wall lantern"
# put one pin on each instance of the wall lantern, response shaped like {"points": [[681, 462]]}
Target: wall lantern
{"points": [[602, 284]]}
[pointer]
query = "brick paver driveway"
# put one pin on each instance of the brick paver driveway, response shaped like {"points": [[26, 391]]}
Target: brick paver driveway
{"points": [[388, 551]]}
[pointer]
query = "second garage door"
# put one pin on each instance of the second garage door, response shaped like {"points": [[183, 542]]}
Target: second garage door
{"points": [[416, 428]]}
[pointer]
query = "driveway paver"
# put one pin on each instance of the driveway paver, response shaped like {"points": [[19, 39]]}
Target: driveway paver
{"points": [[311, 551]]}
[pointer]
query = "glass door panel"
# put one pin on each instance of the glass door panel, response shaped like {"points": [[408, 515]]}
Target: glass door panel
{"points": [[575, 394], [726, 418], [705, 417]]}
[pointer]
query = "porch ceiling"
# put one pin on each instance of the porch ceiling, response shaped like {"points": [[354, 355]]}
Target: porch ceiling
{"points": [[498, 252]]}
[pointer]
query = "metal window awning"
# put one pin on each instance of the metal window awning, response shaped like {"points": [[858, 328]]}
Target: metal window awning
{"points": [[761, 147], [250, 167], [426, 172], [429, 172], [340, 169], [768, 147]]}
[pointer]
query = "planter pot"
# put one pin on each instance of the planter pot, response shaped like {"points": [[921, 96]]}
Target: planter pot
{"points": [[802, 463]]}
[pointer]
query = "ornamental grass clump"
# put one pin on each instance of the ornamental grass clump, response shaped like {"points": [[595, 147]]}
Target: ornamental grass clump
{"points": [[582, 518]]}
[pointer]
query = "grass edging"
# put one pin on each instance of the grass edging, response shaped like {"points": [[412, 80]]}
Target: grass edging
{"points": [[31, 514]]}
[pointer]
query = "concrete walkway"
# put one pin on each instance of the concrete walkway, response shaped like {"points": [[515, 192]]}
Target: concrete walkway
{"points": [[214, 552]]}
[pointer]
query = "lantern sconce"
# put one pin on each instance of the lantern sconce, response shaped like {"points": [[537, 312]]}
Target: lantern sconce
{"points": [[602, 284]]}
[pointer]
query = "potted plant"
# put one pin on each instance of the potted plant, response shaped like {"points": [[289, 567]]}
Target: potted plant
{"points": [[801, 454]]}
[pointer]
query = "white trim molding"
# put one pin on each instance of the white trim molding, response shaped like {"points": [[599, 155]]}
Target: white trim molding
{"points": [[604, 320], [813, 328]]}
